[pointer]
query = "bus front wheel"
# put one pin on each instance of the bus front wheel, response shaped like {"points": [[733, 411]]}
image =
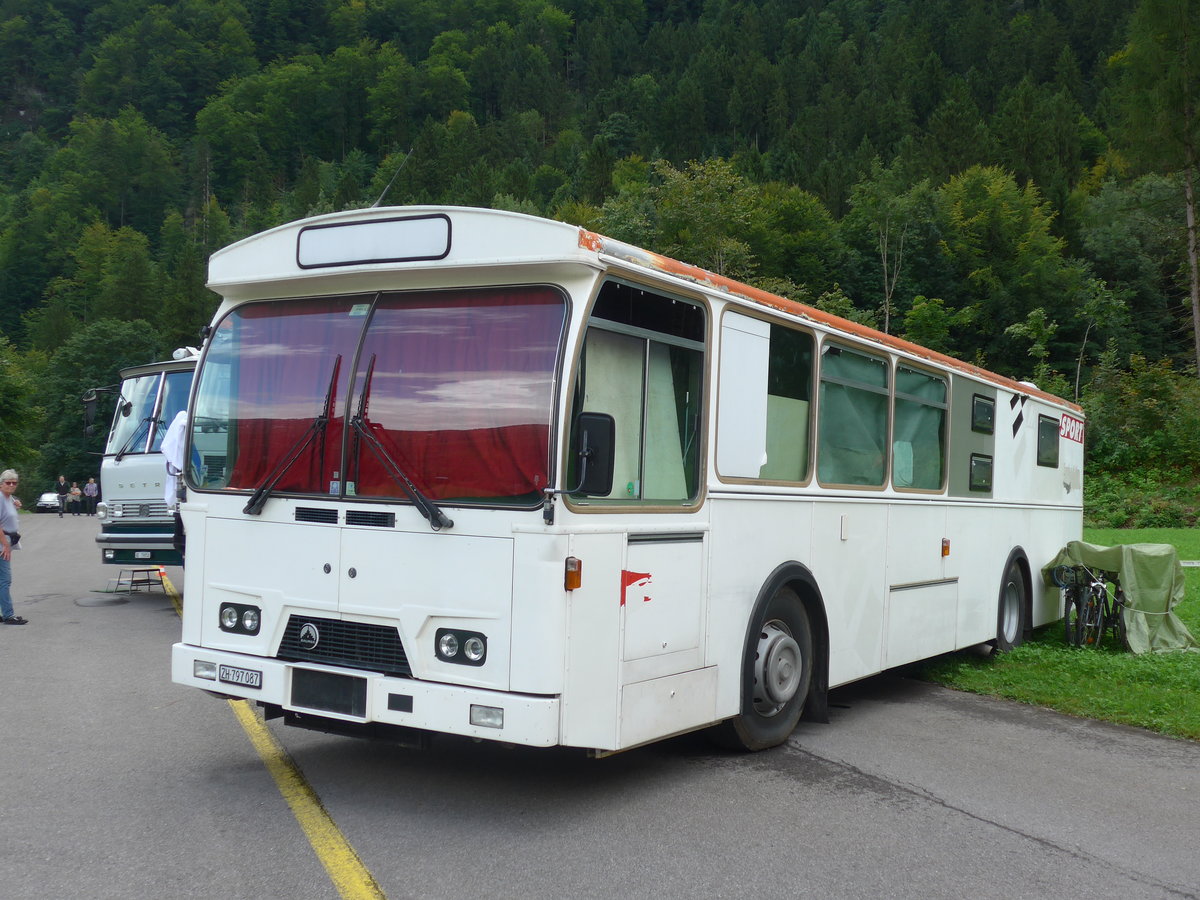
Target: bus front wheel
{"points": [[1010, 611], [776, 675]]}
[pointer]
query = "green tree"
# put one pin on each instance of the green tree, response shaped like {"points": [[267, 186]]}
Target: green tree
{"points": [[1006, 261], [1159, 72], [1132, 235], [92, 356], [168, 61], [704, 210], [17, 412], [889, 209], [931, 325]]}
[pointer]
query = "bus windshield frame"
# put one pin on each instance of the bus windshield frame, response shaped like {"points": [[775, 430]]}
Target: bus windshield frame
{"points": [[458, 387]]}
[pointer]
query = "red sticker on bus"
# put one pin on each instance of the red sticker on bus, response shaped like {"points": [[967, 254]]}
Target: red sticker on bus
{"points": [[630, 579], [1071, 428]]}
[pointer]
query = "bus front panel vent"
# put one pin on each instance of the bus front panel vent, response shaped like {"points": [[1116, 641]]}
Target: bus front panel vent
{"points": [[370, 518], [315, 514]]}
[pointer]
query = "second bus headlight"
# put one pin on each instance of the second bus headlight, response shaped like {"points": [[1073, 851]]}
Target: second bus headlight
{"points": [[466, 648], [474, 649]]}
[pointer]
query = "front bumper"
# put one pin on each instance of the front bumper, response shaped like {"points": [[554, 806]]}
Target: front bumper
{"points": [[139, 548], [530, 720]]}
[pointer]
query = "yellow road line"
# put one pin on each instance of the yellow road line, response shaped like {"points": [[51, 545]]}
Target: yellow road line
{"points": [[345, 869], [172, 593], [347, 872]]}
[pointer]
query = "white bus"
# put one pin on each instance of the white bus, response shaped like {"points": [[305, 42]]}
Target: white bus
{"points": [[491, 475], [136, 526]]}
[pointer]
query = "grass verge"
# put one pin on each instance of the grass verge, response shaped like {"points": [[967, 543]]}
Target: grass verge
{"points": [[1154, 691]]}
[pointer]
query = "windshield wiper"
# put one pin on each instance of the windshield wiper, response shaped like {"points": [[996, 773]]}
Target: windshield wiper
{"points": [[426, 507], [132, 439], [255, 504]]}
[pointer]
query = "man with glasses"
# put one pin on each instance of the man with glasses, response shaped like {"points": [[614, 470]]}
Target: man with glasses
{"points": [[10, 537]]}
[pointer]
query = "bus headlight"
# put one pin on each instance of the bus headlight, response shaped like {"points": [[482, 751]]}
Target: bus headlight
{"points": [[240, 619], [466, 648], [473, 649]]}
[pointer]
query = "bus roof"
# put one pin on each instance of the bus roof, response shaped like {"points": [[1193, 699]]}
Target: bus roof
{"points": [[665, 264], [280, 259], [167, 365]]}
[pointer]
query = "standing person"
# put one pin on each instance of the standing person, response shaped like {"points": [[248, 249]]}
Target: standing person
{"points": [[76, 496], [91, 491], [10, 537], [62, 489]]}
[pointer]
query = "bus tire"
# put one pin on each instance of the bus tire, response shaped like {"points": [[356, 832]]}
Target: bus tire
{"points": [[1010, 609], [776, 676]]}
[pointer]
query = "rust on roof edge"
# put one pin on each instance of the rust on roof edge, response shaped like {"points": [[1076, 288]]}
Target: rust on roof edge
{"points": [[598, 243]]}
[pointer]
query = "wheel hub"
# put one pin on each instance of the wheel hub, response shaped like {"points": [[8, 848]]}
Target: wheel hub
{"points": [[777, 669]]}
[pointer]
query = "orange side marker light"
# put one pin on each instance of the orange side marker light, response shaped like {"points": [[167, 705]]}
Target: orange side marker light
{"points": [[573, 576]]}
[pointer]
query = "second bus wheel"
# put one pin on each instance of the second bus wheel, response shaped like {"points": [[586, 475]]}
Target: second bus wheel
{"points": [[776, 675], [1010, 610]]}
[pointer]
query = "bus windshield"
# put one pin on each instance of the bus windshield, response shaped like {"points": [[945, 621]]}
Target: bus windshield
{"points": [[336, 395], [135, 414]]}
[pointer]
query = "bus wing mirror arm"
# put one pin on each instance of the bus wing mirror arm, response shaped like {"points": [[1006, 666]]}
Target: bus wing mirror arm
{"points": [[595, 434]]}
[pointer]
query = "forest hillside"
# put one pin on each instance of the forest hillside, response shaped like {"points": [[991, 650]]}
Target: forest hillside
{"points": [[1010, 182]]}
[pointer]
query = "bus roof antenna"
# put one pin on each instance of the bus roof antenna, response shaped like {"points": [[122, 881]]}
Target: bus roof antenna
{"points": [[393, 181]]}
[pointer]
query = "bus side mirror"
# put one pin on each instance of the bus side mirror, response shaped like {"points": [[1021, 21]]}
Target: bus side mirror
{"points": [[595, 434], [89, 412]]}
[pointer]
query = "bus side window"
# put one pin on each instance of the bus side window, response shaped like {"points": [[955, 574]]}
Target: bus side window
{"points": [[1047, 438], [650, 383], [853, 418], [789, 394], [919, 438]]}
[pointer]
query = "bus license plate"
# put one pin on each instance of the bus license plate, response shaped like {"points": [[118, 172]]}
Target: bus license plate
{"points": [[244, 677], [141, 554]]}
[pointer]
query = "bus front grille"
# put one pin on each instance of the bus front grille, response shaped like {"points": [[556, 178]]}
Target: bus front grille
{"points": [[356, 645]]}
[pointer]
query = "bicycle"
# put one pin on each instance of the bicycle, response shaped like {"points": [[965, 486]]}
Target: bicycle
{"points": [[1091, 607]]}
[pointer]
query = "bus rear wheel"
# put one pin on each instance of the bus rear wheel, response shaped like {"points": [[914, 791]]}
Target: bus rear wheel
{"points": [[1010, 612], [776, 675]]}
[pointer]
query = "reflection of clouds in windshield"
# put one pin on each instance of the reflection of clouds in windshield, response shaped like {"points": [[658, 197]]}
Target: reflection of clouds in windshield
{"points": [[141, 393], [459, 400], [505, 355], [292, 380]]}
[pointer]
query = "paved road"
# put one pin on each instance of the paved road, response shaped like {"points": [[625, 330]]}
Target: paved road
{"points": [[118, 784]]}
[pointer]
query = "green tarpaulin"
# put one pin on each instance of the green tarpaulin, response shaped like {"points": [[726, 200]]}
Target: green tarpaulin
{"points": [[1152, 579]]}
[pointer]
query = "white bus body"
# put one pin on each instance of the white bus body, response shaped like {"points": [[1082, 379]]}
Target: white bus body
{"points": [[136, 526], [796, 501]]}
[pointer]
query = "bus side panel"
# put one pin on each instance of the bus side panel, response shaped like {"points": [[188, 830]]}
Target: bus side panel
{"points": [[748, 540], [591, 690], [980, 542], [194, 522], [849, 562], [539, 613], [922, 613]]}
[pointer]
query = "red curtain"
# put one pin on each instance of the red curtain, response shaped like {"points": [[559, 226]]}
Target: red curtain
{"points": [[461, 393], [283, 356]]}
